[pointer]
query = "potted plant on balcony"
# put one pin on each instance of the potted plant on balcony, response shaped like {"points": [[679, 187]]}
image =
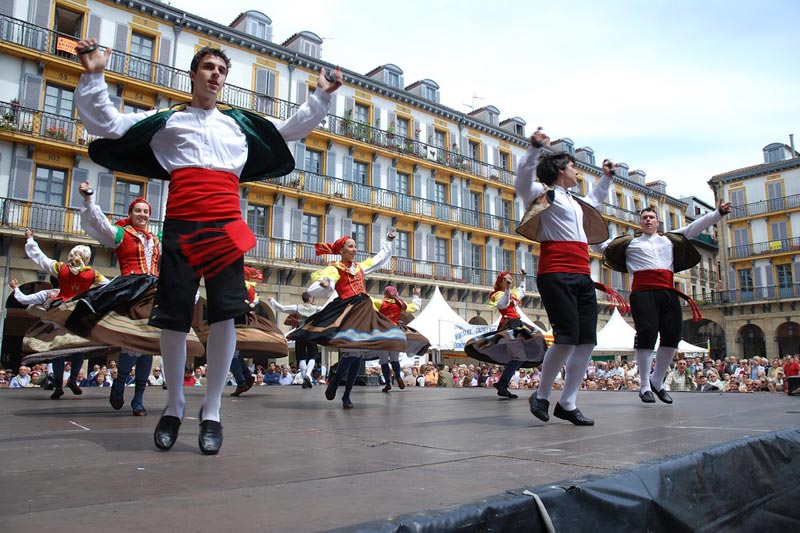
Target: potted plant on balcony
{"points": [[56, 132]]}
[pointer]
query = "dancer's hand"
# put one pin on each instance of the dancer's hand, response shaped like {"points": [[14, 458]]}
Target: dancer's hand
{"points": [[725, 208], [609, 168], [93, 61]]}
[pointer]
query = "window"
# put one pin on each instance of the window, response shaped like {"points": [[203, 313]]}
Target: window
{"points": [[745, 280], [257, 219], [401, 244], [505, 160], [775, 155], [310, 233], [57, 119], [313, 161], [775, 196], [361, 114], [133, 108], [785, 283], [429, 93], [737, 199], [476, 257], [440, 250], [259, 29], [359, 235], [361, 173], [67, 23], [393, 79], [439, 139], [741, 243], [505, 221], [141, 58], [124, 193], [440, 193], [474, 150], [779, 232], [49, 185], [403, 126], [673, 222], [506, 255], [403, 183], [310, 49]]}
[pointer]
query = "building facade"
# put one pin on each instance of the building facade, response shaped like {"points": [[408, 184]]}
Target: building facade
{"points": [[389, 154]]}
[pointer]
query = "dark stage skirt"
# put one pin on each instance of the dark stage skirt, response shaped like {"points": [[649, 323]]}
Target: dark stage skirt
{"points": [[507, 344], [351, 324], [256, 336], [114, 315], [45, 341]]}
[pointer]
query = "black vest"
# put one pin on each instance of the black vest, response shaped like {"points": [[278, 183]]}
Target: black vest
{"points": [[267, 153], [684, 254]]}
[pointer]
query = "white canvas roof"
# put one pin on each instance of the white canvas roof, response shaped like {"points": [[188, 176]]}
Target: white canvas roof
{"points": [[618, 336]]}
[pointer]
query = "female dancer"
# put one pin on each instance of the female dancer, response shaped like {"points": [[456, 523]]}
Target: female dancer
{"points": [[74, 277], [392, 306], [349, 323], [514, 344]]}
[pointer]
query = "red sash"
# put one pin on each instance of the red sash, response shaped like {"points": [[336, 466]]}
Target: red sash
{"points": [[661, 279], [567, 257]]}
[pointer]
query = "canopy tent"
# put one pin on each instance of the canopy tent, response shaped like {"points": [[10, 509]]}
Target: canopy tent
{"points": [[548, 335], [618, 336], [443, 327]]}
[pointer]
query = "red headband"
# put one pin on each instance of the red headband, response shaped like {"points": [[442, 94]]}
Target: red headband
{"points": [[500, 276], [127, 220], [251, 274], [323, 248]]}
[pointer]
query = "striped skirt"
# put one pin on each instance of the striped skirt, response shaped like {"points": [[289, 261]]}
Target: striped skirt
{"points": [[351, 324], [512, 341]]}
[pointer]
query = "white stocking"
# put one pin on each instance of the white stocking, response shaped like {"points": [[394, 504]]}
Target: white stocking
{"points": [[173, 360], [553, 361], [310, 368], [219, 353], [644, 360], [664, 357], [577, 363]]}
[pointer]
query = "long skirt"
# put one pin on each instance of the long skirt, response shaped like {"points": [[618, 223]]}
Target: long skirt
{"points": [[256, 336], [506, 344], [115, 315], [45, 341], [351, 324]]}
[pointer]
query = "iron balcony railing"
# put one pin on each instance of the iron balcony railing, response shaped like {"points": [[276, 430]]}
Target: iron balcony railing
{"points": [[764, 207], [59, 222], [753, 295], [307, 181], [40, 39], [764, 248]]}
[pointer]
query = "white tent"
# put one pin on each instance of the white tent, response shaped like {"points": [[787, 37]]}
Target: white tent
{"points": [[618, 336], [525, 320], [443, 327]]}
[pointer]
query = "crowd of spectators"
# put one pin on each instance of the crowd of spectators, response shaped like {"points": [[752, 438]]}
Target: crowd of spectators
{"points": [[757, 374]]}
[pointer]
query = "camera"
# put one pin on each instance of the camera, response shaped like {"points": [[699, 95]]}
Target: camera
{"points": [[87, 49], [330, 75]]}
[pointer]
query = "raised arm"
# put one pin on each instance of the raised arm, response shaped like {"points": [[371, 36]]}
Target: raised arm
{"points": [[709, 219], [382, 257], [600, 191], [526, 185], [36, 255], [311, 113], [282, 308], [95, 223], [37, 298]]}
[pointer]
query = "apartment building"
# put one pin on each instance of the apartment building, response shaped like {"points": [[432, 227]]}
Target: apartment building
{"points": [[389, 154]]}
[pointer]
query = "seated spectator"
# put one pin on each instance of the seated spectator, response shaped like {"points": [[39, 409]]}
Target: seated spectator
{"points": [[5, 378], [260, 380], [188, 377], [83, 381], [286, 377], [22, 379], [199, 377], [272, 376], [100, 380], [156, 378]]}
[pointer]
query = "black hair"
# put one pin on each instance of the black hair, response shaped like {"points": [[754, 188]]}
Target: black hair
{"points": [[550, 165], [649, 208], [207, 51], [306, 297]]}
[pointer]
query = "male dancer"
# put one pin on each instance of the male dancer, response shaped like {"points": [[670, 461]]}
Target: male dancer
{"points": [[137, 252], [564, 281], [205, 150], [653, 258], [306, 352]]}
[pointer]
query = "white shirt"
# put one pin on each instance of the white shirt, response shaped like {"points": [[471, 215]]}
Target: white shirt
{"points": [[563, 220], [654, 252], [194, 138]]}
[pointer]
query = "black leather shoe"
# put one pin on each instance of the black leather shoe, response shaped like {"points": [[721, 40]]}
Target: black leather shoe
{"points": [[400, 383], [73, 386], [503, 391], [117, 397], [539, 408], [387, 387], [662, 394], [307, 383], [210, 438], [347, 405], [58, 392], [647, 397], [575, 416], [330, 390], [166, 432]]}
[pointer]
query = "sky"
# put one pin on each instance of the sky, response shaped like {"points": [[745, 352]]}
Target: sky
{"points": [[681, 89]]}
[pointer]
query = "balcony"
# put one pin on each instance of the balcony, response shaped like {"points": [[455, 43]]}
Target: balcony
{"points": [[63, 223], [764, 248], [708, 240], [765, 207], [755, 295], [38, 39]]}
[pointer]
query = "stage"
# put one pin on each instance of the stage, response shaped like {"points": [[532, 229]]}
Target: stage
{"points": [[413, 460]]}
